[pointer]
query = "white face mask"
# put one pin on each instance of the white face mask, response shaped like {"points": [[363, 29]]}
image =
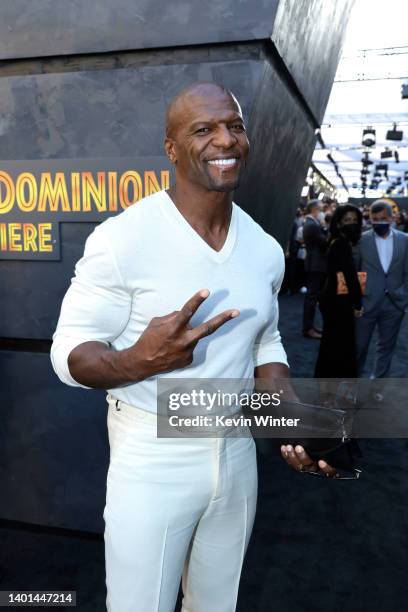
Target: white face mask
{"points": [[320, 216]]}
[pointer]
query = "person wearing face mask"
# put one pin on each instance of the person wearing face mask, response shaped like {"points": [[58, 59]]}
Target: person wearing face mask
{"points": [[383, 255], [341, 298]]}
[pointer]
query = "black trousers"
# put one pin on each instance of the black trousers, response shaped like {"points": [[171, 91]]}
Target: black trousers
{"points": [[314, 284]]}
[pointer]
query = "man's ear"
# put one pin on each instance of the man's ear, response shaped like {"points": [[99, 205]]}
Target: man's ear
{"points": [[170, 148]]}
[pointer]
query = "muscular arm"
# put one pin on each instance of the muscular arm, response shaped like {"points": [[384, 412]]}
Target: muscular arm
{"points": [[95, 365]]}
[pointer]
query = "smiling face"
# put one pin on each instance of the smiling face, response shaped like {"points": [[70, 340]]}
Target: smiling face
{"points": [[206, 138]]}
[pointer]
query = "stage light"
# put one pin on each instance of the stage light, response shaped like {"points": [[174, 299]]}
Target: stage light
{"points": [[394, 134], [368, 137], [386, 153], [377, 174], [383, 167]]}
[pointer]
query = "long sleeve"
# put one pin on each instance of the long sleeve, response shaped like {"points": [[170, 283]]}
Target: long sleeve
{"points": [[268, 346], [96, 306]]}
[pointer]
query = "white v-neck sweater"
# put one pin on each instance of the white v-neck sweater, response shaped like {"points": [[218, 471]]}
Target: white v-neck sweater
{"points": [[148, 261]]}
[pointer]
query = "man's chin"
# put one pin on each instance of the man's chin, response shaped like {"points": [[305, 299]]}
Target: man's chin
{"points": [[225, 187]]}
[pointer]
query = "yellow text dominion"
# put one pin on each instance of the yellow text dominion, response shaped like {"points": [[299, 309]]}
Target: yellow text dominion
{"points": [[77, 191]]}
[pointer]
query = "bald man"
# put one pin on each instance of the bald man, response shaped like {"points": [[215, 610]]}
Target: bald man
{"points": [[167, 288]]}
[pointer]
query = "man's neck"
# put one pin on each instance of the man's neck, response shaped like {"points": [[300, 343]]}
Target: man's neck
{"points": [[205, 210]]}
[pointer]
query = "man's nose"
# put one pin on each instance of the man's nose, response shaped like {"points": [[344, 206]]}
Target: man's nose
{"points": [[224, 138]]}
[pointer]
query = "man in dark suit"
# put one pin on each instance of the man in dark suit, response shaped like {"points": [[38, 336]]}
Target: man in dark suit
{"points": [[314, 237], [383, 255]]}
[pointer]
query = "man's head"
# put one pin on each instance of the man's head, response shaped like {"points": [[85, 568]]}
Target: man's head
{"points": [[205, 137], [313, 208], [381, 217]]}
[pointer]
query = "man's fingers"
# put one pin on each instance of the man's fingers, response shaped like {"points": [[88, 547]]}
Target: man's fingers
{"points": [[209, 327], [327, 469], [298, 459], [307, 462], [192, 305], [291, 457]]}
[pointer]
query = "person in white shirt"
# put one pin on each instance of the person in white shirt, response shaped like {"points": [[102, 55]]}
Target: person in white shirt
{"points": [[183, 283], [383, 255]]}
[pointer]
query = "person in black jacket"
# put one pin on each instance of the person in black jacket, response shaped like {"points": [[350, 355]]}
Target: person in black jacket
{"points": [[337, 356], [315, 240]]}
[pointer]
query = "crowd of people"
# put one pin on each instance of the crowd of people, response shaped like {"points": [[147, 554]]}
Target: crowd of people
{"points": [[351, 262]]}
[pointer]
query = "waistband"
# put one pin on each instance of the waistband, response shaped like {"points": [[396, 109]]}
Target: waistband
{"points": [[153, 419]]}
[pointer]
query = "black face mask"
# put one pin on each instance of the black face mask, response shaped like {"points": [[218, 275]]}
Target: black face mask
{"points": [[351, 231], [381, 228]]}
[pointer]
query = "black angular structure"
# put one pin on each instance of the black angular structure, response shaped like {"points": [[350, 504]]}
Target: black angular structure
{"points": [[91, 81]]}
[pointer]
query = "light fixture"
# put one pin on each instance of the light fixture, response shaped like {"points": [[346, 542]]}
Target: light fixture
{"points": [[396, 157], [394, 134], [386, 153], [368, 137]]}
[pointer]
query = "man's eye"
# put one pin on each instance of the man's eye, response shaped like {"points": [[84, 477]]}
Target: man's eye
{"points": [[203, 130], [239, 127]]}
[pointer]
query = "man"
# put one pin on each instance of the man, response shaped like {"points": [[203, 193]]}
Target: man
{"points": [[315, 241], [383, 255], [138, 309]]}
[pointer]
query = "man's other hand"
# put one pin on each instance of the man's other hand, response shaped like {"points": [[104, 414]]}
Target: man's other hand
{"points": [[300, 461]]}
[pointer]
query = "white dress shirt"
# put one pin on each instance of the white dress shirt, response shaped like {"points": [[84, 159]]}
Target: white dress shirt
{"points": [[385, 249], [148, 261]]}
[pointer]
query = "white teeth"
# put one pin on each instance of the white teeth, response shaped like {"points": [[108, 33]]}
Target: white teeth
{"points": [[223, 162]]}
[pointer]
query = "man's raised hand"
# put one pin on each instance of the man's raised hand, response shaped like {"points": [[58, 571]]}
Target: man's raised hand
{"points": [[168, 342]]}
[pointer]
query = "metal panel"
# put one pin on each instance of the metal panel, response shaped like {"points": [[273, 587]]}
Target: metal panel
{"points": [[33, 290], [33, 28], [54, 450], [308, 35], [104, 113], [282, 142]]}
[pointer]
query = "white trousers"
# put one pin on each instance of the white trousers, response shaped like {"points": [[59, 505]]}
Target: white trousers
{"points": [[175, 508]]}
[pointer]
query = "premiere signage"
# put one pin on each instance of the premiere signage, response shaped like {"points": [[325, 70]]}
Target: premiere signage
{"points": [[37, 195]]}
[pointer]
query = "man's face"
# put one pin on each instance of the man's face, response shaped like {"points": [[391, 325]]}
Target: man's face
{"points": [[208, 142]]}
